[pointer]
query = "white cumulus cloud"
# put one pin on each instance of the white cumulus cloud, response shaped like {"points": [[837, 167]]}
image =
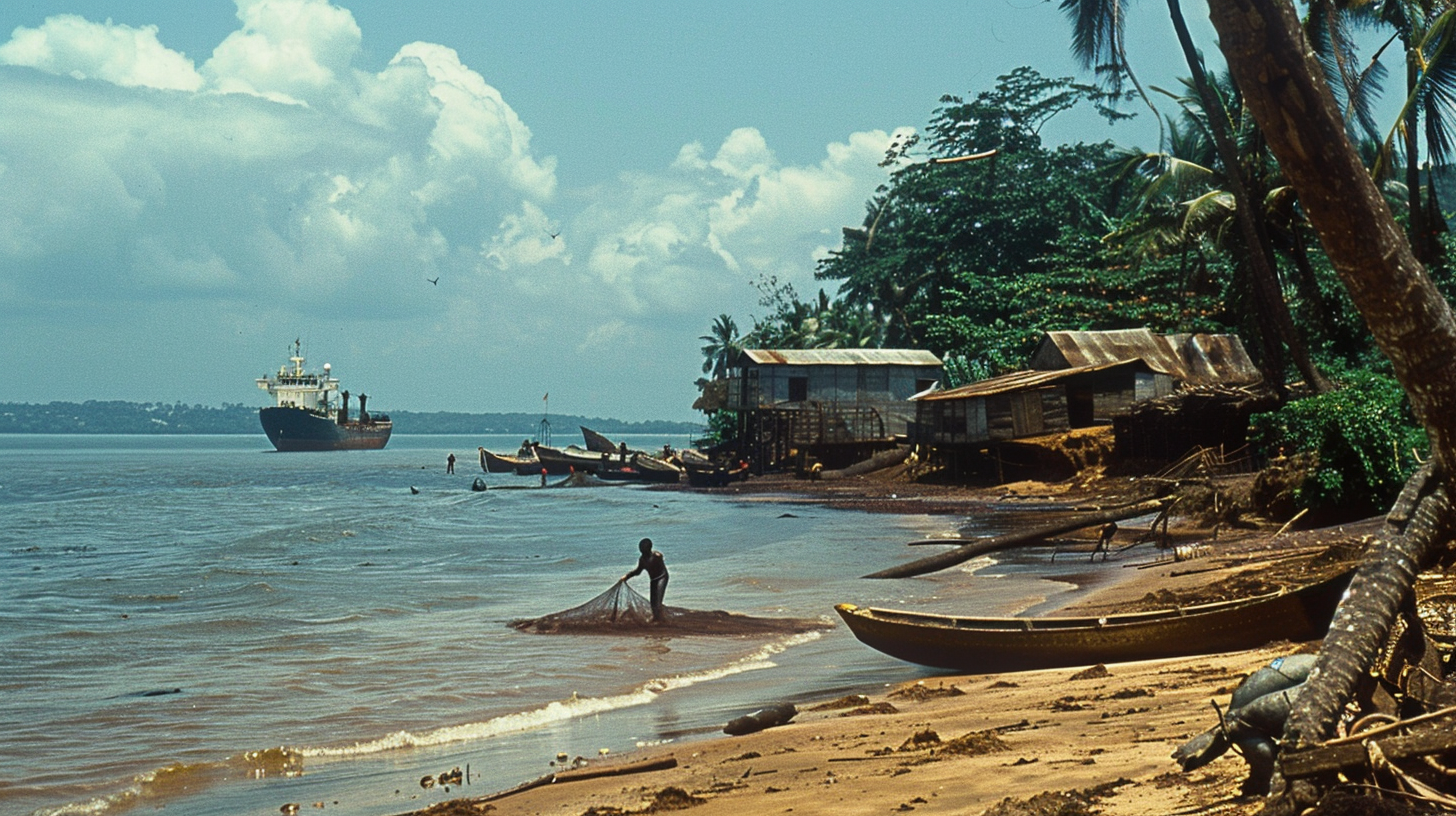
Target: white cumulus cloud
{"points": [[285, 184], [70, 45]]}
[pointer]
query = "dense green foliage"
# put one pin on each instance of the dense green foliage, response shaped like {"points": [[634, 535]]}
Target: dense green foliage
{"points": [[115, 417], [984, 237], [1363, 436]]}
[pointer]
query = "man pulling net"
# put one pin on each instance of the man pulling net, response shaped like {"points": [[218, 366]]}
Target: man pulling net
{"points": [[622, 611], [652, 563]]}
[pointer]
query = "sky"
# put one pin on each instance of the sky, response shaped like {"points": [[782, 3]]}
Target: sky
{"points": [[461, 206]]}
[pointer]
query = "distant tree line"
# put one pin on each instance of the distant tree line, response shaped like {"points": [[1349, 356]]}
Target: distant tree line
{"points": [[116, 417]]}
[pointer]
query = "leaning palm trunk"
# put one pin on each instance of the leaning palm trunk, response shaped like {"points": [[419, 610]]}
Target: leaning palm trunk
{"points": [[1411, 322], [1414, 530], [1276, 324]]}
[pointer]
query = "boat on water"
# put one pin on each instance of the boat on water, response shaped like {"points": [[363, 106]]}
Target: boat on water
{"points": [[570, 459], [522, 463], [989, 645], [307, 417]]}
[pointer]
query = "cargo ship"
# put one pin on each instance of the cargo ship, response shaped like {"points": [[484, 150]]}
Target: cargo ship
{"points": [[309, 418]]}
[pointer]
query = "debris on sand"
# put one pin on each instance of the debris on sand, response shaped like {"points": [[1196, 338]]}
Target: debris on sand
{"points": [[921, 692], [873, 708], [847, 701], [1057, 803]]}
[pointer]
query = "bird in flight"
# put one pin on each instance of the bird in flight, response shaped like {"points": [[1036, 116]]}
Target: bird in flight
{"points": [[435, 280], [554, 234]]}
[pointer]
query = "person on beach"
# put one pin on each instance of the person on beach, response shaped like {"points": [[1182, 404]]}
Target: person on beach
{"points": [[651, 562], [450, 463], [1104, 540]]}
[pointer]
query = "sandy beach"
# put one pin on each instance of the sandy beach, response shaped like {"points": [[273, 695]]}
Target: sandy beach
{"points": [[1061, 741], [1026, 743]]}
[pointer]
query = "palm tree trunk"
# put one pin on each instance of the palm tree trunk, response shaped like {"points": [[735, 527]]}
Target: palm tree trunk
{"points": [[1410, 320], [1414, 530], [1419, 233], [1270, 296]]}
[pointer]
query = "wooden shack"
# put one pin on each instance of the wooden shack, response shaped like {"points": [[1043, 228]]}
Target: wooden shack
{"points": [[1077, 380], [837, 405]]}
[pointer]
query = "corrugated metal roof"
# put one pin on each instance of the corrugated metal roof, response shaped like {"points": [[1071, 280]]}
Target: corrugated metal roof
{"points": [[904, 357], [1196, 359], [1020, 381]]}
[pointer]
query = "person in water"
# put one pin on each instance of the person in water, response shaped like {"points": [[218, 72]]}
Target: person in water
{"points": [[651, 562]]}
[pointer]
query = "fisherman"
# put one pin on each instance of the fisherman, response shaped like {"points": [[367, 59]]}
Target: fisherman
{"points": [[450, 463], [651, 562], [1104, 542]]}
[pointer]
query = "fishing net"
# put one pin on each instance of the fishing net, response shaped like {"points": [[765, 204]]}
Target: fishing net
{"points": [[622, 610]]}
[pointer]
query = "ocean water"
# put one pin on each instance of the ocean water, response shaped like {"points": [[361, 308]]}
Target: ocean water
{"points": [[204, 625]]}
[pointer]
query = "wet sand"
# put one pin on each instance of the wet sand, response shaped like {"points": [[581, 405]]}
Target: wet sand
{"points": [[968, 744], [957, 744]]}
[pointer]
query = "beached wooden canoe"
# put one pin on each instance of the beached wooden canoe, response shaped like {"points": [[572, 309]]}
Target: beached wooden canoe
{"points": [[987, 645], [703, 472], [597, 443], [643, 468]]}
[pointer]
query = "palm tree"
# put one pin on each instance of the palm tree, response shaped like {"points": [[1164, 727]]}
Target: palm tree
{"points": [[1411, 322], [1424, 29], [1097, 42], [723, 344], [1186, 204]]}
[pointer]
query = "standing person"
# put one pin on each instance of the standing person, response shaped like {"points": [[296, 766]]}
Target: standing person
{"points": [[450, 463], [651, 562]]}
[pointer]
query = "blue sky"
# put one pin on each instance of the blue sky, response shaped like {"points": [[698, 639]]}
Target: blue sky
{"points": [[187, 187]]}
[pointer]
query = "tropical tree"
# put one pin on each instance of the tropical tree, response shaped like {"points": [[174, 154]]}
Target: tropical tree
{"points": [[1097, 41], [1186, 207], [722, 345], [1426, 29], [958, 244], [1411, 322]]}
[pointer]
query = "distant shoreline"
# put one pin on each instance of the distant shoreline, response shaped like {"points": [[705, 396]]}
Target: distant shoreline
{"points": [[162, 419]]}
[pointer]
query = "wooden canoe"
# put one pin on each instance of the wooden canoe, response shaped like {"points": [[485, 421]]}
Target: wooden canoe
{"points": [[504, 463], [595, 442], [570, 459], [642, 467], [988, 645], [704, 472]]}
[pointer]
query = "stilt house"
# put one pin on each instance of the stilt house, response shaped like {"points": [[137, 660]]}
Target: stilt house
{"points": [[838, 405]]}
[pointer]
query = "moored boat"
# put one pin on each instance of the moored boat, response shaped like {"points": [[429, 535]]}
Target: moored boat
{"points": [[307, 418], [570, 458], [704, 472], [643, 468], [522, 463], [597, 443], [987, 645]]}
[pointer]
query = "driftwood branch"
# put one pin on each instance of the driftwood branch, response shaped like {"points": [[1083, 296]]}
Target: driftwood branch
{"points": [[578, 774], [1345, 754], [966, 552]]}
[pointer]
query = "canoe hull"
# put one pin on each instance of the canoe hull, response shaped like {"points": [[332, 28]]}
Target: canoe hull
{"points": [[504, 463], [990, 645]]}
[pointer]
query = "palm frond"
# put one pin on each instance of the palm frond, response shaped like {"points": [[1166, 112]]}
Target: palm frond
{"points": [[1207, 212]]}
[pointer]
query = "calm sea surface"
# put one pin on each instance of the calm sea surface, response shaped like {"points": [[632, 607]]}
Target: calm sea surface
{"points": [[202, 624]]}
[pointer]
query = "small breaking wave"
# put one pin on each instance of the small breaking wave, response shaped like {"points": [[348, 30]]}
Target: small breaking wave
{"points": [[158, 786], [562, 710]]}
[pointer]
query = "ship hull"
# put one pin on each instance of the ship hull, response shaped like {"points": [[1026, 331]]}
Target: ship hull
{"points": [[294, 429]]}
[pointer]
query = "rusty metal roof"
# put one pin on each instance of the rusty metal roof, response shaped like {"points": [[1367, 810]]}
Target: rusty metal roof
{"points": [[1021, 381], [806, 357], [1196, 359]]}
